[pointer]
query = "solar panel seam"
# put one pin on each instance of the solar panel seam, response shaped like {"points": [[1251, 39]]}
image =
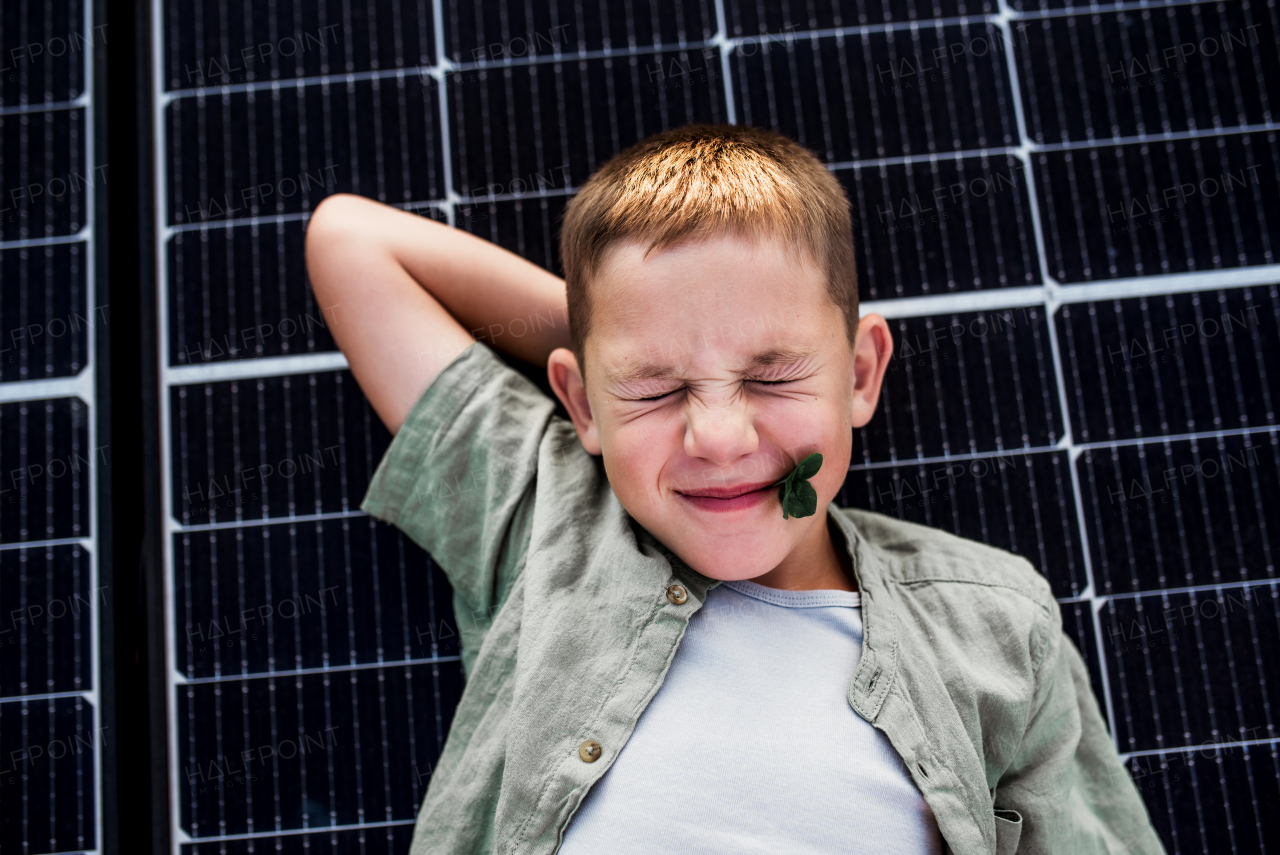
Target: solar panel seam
{"points": [[81, 236], [258, 835], [895, 308], [83, 694], [45, 106], [1050, 307]]}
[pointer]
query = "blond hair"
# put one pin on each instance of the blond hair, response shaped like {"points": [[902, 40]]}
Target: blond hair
{"points": [[702, 180]]}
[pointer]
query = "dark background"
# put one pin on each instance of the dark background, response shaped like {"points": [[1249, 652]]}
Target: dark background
{"points": [[1068, 215]]}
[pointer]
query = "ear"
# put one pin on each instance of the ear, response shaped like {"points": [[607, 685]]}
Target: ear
{"points": [[566, 381], [872, 349]]}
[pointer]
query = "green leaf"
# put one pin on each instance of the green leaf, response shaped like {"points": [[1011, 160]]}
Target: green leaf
{"points": [[802, 502], [797, 495], [809, 466]]}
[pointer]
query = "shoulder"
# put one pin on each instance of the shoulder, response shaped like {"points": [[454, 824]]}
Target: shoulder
{"points": [[982, 615], [912, 556]]}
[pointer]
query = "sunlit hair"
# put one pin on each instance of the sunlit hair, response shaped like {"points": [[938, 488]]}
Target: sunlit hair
{"points": [[700, 181]]}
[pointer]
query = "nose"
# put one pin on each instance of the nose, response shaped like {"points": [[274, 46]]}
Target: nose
{"points": [[719, 427]]}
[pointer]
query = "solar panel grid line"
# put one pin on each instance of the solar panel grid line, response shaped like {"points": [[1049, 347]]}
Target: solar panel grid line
{"points": [[86, 694], [1016, 100], [88, 393], [1216, 587], [159, 207], [80, 236], [85, 543], [45, 106], [1071, 10], [723, 48], [1159, 752], [184, 680], [56, 387], [1084, 145], [260, 835]]}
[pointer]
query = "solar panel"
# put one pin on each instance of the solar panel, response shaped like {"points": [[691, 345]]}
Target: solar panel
{"points": [[51, 724], [1067, 214]]}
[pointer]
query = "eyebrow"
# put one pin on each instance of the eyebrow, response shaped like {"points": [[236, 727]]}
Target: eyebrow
{"points": [[766, 359]]}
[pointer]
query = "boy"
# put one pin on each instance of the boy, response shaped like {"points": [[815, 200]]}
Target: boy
{"points": [[657, 658]]}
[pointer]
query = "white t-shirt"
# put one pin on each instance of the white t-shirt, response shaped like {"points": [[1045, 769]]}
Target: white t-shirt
{"points": [[751, 747]]}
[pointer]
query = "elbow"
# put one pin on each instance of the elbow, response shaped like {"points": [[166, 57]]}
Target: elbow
{"points": [[328, 217], [336, 218]]}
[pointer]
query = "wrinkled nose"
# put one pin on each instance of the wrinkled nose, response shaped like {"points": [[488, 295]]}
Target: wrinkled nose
{"points": [[719, 429]]}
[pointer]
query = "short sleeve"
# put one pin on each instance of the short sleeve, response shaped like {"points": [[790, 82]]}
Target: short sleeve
{"points": [[459, 477], [1068, 788]]}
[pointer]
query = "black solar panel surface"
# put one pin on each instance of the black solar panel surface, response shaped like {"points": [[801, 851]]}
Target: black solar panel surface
{"points": [[1115, 427], [51, 731]]}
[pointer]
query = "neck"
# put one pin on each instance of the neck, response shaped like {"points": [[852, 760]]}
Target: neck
{"points": [[819, 562]]}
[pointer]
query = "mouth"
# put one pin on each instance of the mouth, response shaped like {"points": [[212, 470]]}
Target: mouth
{"points": [[725, 499]]}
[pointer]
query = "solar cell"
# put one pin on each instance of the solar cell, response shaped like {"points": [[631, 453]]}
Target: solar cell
{"points": [[1180, 67], [535, 126], [211, 44], [1188, 669], [272, 447], [502, 30], [1178, 513], [217, 313], [1175, 206], [47, 178], [44, 315], [45, 53], [748, 19], [276, 753], [311, 595], [881, 92], [1171, 364], [46, 629], [965, 383], [49, 748], [46, 455], [939, 226], [1211, 796], [280, 151], [1019, 501]]}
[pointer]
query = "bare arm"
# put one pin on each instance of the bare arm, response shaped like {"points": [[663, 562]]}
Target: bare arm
{"points": [[404, 295]]}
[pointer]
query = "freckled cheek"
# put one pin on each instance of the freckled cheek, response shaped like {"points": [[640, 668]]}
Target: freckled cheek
{"points": [[818, 427], [837, 449], [636, 458]]}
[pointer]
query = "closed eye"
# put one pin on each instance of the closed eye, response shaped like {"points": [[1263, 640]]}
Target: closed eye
{"points": [[673, 391], [658, 397]]}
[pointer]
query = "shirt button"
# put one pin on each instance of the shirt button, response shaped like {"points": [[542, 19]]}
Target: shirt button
{"points": [[677, 594], [589, 751]]}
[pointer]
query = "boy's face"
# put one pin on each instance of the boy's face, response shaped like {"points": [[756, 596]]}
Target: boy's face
{"points": [[714, 367]]}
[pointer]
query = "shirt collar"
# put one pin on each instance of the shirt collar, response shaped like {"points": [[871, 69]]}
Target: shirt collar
{"points": [[878, 666]]}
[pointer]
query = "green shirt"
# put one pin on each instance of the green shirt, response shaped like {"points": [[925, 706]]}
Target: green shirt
{"points": [[568, 630]]}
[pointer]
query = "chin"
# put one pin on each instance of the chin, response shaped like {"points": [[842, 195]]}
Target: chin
{"points": [[731, 565]]}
